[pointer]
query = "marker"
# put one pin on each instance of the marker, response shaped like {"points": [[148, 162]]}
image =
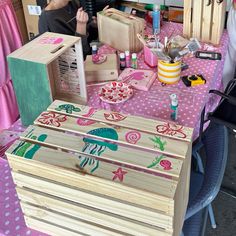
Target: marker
{"points": [[174, 106]]}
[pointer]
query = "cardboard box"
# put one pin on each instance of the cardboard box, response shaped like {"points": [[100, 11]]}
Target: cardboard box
{"points": [[17, 5], [106, 71], [32, 11]]}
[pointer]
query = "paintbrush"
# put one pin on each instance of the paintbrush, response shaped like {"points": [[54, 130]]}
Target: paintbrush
{"points": [[70, 20]]}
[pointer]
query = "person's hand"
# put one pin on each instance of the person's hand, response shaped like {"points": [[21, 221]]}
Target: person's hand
{"points": [[82, 19]]}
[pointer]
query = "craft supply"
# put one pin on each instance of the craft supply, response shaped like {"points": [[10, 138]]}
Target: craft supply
{"points": [[124, 30], [122, 61], [193, 80], [138, 79], [149, 57], [208, 55], [193, 45], [134, 63], [169, 73], [99, 72], [127, 59], [156, 19], [115, 92], [174, 106], [94, 53]]}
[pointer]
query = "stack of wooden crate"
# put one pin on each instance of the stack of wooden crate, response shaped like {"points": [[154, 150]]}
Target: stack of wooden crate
{"points": [[204, 20], [83, 171]]}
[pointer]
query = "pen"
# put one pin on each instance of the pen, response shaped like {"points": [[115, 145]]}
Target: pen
{"points": [[70, 20]]}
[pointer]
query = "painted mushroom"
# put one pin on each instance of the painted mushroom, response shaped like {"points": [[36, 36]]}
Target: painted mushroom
{"points": [[97, 147]]}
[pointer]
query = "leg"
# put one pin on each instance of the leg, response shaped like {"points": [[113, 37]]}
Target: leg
{"points": [[212, 217]]}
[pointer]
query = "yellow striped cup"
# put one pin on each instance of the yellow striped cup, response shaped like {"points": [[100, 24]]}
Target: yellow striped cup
{"points": [[169, 73]]}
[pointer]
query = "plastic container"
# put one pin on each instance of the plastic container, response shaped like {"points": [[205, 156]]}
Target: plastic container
{"points": [[169, 73], [156, 18], [149, 58]]}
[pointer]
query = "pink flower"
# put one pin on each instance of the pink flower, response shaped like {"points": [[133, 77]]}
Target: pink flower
{"points": [[50, 118]]}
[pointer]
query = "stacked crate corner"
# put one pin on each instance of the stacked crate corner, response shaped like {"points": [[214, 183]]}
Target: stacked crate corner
{"points": [[204, 20]]}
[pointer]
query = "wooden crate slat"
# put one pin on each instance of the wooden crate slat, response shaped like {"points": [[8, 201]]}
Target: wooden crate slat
{"points": [[206, 21], [51, 229], [128, 121], [124, 225], [98, 187], [123, 155], [108, 132], [146, 216], [187, 27], [197, 18], [218, 20], [121, 175], [69, 223]]}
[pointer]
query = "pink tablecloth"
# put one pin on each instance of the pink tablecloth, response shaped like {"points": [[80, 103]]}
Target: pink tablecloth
{"points": [[154, 103]]}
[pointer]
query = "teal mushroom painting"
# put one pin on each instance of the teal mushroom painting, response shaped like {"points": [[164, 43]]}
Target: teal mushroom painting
{"points": [[97, 147]]}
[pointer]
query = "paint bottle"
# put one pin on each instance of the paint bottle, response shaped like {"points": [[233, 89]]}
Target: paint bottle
{"points": [[174, 106], [94, 53], [134, 62], [122, 61], [156, 19], [127, 59]]}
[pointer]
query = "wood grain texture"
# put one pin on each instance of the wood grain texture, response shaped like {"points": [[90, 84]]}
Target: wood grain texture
{"points": [[91, 216], [127, 121], [100, 203], [145, 161], [140, 180], [98, 187], [187, 24]]}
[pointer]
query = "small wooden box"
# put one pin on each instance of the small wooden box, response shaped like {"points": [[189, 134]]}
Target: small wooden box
{"points": [[49, 67], [83, 171], [119, 30], [106, 71], [204, 22]]}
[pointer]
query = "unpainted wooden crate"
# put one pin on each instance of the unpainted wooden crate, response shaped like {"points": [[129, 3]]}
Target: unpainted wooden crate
{"points": [[47, 68], [204, 19], [79, 170]]}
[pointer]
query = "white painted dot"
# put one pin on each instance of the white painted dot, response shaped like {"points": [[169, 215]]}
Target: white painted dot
{"points": [[7, 231], [7, 198], [16, 202], [17, 218], [6, 171], [28, 232], [17, 227], [17, 210], [7, 205], [7, 213], [7, 222], [7, 191]]}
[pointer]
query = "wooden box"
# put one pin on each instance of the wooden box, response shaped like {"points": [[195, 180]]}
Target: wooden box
{"points": [[82, 171], [119, 30], [49, 67], [106, 71], [204, 22]]}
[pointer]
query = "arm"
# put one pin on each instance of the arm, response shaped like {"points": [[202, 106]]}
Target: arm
{"points": [[81, 30]]}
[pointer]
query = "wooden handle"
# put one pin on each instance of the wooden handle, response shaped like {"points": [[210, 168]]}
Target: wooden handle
{"points": [[141, 39], [111, 11]]}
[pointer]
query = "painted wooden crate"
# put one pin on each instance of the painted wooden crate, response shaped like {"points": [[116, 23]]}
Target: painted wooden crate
{"points": [[204, 20], [79, 170], [49, 67]]}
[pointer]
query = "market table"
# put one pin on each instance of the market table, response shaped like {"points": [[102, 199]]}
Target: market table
{"points": [[154, 103]]}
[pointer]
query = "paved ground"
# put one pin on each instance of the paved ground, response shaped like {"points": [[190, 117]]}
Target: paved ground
{"points": [[224, 205]]}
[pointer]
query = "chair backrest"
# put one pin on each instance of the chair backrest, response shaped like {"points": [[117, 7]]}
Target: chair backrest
{"points": [[225, 112], [215, 143]]}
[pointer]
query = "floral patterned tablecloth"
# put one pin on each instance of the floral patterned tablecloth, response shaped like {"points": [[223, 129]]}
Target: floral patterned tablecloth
{"points": [[153, 104]]}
